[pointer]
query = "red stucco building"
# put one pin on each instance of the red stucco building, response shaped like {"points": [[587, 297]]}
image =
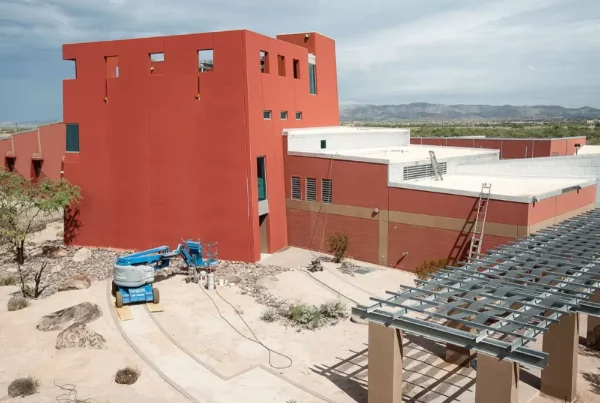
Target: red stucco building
{"points": [[37, 153], [175, 136]]}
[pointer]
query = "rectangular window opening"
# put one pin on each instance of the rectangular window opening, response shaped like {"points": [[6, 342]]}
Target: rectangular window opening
{"points": [[37, 168], [323, 144], [261, 175], [10, 164], [296, 66], [72, 137], [296, 192], [156, 62], [264, 61], [281, 65], [311, 189], [312, 78], [298, 115], [205, 60], [112, 66], [267, 115], [326, 191], [283, 115], [74, 71]]}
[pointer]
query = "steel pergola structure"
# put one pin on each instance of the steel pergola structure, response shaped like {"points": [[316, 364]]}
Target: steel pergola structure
{"points": [[504, 298]]}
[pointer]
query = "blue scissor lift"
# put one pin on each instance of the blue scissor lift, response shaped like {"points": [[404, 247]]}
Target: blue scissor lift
{"points": [[133, 275]]}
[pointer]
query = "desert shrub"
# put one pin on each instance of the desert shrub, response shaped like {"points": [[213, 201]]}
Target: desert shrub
{"points": [[17, 303], [338, 245], [10, 280], [26, 289], [22, 387], [334, 309], [424, 270], [313, 317], [269, 315], [127, 376]]}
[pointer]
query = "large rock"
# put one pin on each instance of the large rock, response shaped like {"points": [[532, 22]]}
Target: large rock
{"points": [[77, 282], [79, 336], [82, 255], [83, 313]]}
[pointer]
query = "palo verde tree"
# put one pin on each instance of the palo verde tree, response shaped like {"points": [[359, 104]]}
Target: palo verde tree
{"points": [[23, 202]]}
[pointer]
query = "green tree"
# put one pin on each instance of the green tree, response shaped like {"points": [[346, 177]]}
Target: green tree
{"points": [[22, 202]]}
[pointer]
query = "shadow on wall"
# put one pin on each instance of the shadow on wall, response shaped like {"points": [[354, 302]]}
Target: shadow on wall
{"points": [[460, 249], [72, 224]]}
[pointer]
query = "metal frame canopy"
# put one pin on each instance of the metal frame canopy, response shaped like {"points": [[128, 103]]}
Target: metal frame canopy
{"points": [[497, 303]]}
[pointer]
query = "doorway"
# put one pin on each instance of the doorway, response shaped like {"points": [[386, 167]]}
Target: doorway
{"points": [[264, 233]]}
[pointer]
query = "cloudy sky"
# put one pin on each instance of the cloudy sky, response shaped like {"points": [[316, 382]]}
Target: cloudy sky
{"points": [[389, 51]]}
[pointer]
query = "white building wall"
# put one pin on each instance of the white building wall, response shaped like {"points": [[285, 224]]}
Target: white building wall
{"points": [[352, 139], [586, 166]]}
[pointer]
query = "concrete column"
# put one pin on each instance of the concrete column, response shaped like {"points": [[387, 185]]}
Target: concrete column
{"points": [[559, 378], [496, 380], [385, 364], [593, 327], [458, 355]]}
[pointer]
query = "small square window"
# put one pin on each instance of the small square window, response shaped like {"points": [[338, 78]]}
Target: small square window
{"points": [[298, 115], [156, 63], [267, 114], [323, 144], [283, 115]]}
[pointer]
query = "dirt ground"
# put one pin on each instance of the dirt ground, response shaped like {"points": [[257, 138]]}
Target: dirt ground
{"points": [[218, 326], [25, 351]]}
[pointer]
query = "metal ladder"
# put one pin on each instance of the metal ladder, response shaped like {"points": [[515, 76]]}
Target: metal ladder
{"points": [[437, 172], [482, 207]]}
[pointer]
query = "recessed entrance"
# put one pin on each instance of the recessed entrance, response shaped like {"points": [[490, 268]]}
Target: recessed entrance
{"points": [[264, 233]]}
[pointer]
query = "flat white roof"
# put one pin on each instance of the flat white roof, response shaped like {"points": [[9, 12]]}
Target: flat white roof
{"points": [[588, 149], [517, 189], [394, 155]]}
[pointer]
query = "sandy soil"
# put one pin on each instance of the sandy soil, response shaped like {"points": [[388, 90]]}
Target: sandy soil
{"points": [[25, 351]]}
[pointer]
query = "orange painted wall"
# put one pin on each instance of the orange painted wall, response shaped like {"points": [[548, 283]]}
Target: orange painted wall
{"points": [[163, 164], [555, 206], [306, 231], [566, 146]]}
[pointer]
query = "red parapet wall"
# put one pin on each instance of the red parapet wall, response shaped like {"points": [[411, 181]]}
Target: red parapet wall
{"points": [[510, 148]]}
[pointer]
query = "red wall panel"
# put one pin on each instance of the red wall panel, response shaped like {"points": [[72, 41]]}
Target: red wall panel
{"points": [[423, 243], [305, 230], [358, 184], [555, 206], [5, 147], [26, 144], [454, 206], [53, 145]]}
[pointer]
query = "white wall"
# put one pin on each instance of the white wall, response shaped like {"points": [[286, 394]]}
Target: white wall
{"points": [[550, 167], [352, 139]]}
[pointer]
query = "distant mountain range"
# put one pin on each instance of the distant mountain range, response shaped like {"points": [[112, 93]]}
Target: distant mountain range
{"points": [[423, 111]]}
